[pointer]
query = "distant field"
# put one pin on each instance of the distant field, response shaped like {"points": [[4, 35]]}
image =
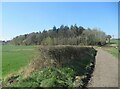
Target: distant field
{"points": [[114, 42], [113, 50], [15, 57]]}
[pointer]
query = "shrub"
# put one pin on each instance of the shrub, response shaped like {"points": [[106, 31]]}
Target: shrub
{"points": [[66, 54], [49, 77]]}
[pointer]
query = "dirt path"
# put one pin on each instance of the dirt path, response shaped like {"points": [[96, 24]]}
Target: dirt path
{"points": [[106, 70]]}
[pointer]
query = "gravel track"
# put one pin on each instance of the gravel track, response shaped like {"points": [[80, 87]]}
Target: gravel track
{"points": [[106, 70]]}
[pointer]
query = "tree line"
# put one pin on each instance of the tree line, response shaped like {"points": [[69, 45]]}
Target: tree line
{"points": [[64, 35]]}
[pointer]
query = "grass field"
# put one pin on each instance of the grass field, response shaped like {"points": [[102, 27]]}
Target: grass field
{"points": [[112, 50], [15, 57], [114, 41]]}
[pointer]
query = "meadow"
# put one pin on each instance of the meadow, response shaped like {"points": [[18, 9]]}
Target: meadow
{"points": [[15, 57], [115, 41], [112, 48]]}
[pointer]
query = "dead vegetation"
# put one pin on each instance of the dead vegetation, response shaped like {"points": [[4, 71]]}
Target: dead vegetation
{"points": [[62, 55]]}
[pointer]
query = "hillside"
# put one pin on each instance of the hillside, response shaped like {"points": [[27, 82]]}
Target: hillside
{"points": [[64, 35]]}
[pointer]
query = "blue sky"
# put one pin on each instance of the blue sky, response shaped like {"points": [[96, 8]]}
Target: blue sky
{"points": [[26, 17]]}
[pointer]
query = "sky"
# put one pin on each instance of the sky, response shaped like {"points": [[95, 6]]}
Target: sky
{"points": [[19, 18]]}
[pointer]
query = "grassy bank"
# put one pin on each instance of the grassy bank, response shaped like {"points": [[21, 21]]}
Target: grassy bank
{"points": [[113, 47], [59, 66], [112, 50]]}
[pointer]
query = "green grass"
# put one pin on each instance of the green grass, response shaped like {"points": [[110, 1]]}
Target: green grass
{"points": [[15, 57], [114, 42], [112, 51]]}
